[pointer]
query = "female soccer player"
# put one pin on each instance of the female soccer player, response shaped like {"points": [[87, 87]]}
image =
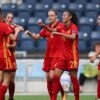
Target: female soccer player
{"points": [[72, 60], [93, 58], [54, 47], [5, 60], [9, 20]]}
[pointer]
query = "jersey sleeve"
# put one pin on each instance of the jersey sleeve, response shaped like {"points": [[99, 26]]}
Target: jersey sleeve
{"points": [[61, 28], [44, 33], [7, 29], [74, 29]]}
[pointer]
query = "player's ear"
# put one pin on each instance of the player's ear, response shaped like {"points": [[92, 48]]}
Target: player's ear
{"points": [[70, 17]]}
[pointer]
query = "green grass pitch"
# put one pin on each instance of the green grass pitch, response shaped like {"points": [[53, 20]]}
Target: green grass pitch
{"points": [[38, 97]]}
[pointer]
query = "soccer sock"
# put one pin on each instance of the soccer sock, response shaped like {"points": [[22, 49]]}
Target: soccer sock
{"points": [[98, 89], [56, 87], [75, 86], [11, 90], [3, 90], [49, 87]]}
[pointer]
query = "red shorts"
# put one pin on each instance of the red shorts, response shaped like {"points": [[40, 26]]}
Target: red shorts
{"points": [[67, 65], [49, 64], [99, 66], [8, 64]]}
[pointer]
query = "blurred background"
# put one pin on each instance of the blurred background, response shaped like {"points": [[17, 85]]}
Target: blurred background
{"points": [[30, 53]]}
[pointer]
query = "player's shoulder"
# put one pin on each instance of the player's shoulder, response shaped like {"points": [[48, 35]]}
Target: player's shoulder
{"points": [[74, 26], [61, 24]]}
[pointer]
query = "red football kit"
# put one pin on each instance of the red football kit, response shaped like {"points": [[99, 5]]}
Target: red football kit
{"points": [[5, 63], [55, 46], [12, 51], [71, 48]]}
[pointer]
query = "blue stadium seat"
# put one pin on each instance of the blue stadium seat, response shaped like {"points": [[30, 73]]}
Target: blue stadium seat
{"points": [[33, 2], [86, 28], [91, 14], [95, 1], [92, 7], [76, 7], [41, 14], [83, 41], [59, 7], [47, 1], [33, 20], [34, 29], [42, 7], [84, 35], [82, 46], [66, 2], [97, 28], [27, 44], [42, 44], [24, 14], [24, 7], [87, 21], [9, 7], [20, 21], [81, 1], [95, 35]]}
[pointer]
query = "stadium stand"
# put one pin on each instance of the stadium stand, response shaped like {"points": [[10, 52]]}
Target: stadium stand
{"points": [[9, 7], [28, 15], [95, 37], [83, 41]]}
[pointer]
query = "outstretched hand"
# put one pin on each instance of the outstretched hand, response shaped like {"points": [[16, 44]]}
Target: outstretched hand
{"points": [[27, 32]]}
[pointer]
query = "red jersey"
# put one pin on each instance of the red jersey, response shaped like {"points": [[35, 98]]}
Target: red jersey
{"points": [[72, 45], [5, 30], [55, 43], [57, 46], [45, 34], [11, 51]]}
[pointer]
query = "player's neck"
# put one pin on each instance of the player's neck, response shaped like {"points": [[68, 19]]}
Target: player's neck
{"points": [[54, 23], [68, 23]]}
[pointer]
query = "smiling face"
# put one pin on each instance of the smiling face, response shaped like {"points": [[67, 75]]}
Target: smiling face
{"points": [[52, 16], [9, 18], [66, 17], [98, 20]]}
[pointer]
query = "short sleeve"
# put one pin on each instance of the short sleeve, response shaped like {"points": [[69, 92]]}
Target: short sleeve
{"points": [[75, 29], [61, 28], [7, 29], [44, 33]]}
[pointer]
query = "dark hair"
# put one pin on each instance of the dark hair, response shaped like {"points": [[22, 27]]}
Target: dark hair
{"points": [[10, 12], [0, 12], [74, 18], [1, 15], [53, 11]]}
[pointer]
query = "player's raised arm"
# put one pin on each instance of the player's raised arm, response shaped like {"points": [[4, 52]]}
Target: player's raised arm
{"points": [[46, 27], [33, 35]]}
